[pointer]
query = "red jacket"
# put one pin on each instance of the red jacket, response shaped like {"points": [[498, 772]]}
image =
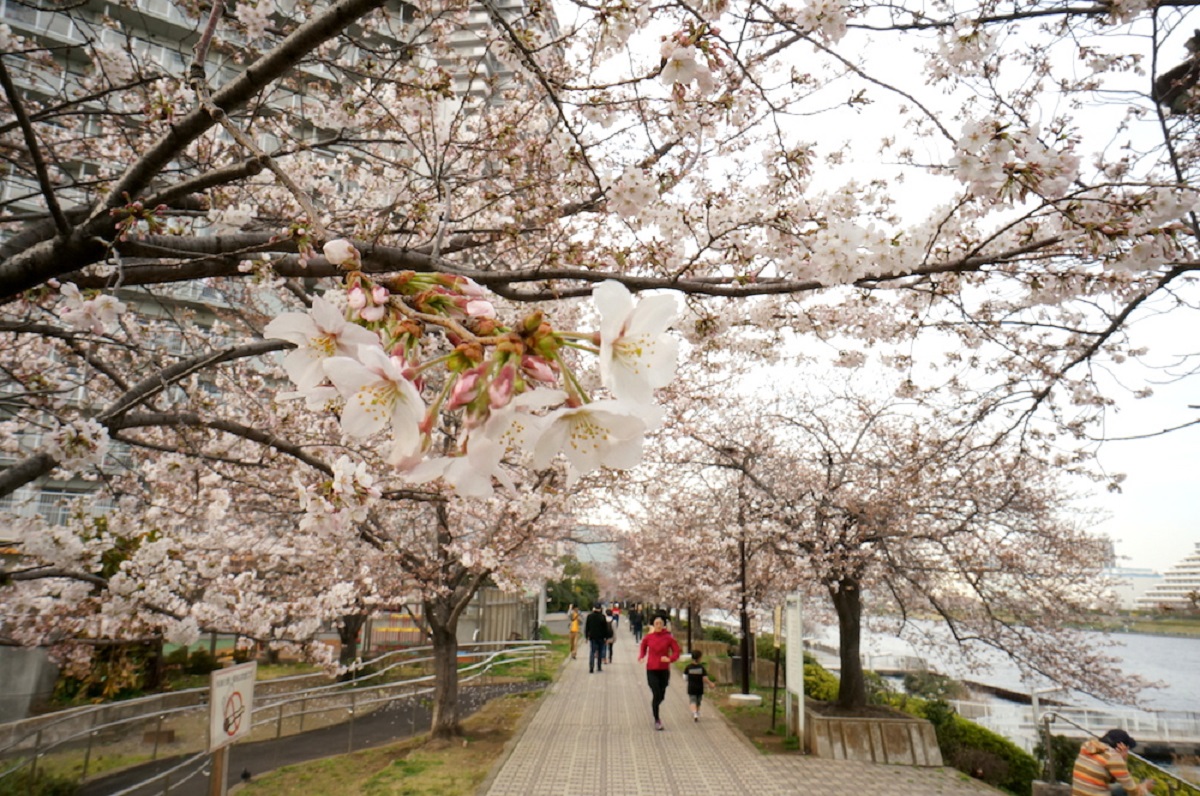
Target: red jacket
{"points": [[655, 646]]}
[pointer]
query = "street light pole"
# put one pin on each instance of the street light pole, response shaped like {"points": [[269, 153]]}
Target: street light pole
{"points": [[745, 611]]}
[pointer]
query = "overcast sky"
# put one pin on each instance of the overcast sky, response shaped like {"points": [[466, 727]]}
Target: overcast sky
{"points": [[1155, 521]]}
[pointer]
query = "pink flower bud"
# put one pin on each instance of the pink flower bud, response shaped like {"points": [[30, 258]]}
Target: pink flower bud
{"points": [[500, 391], [340, 251], [372, 313], [539, 369], [478, 308], [356, 298], [469, 287], [379, 294], [465, 389]]}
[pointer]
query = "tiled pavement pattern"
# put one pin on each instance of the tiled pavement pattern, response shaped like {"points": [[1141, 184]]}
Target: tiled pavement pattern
{"points": [[593, 734]]}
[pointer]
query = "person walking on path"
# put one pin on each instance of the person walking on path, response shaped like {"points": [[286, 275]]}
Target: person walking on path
{"points": [[573, 633], [697, 677], [595, 630], [659, 649], [635, 623], [1101, 763], [616, 615], [612, 633]]}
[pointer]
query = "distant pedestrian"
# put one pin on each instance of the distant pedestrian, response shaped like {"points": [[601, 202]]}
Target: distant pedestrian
{"points": [[612, 633], [573, 632], [636, 617], [659, 649], [1101, 763], [697, 677], [616, 615], [595, 630]]}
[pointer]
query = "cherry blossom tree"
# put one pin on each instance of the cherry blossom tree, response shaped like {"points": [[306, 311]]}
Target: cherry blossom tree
{"points": [[700, 536], [918, 512], [651, 147], [408, 204], [199, 545]]}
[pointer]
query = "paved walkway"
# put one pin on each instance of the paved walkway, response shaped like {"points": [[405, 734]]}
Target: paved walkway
{"points": [[593, 735]]}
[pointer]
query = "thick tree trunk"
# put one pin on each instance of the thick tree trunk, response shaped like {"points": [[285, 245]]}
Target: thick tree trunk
{"points": [[847, 601], [154, 665], [445, 685], [348, 632], [744, 611]]}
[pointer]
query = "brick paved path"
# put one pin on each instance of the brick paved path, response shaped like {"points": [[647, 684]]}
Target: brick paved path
{"points": [[593, 735]]}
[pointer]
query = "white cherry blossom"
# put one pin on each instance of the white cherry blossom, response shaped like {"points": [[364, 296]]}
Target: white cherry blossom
{"points": [[95, 315], [318, 334], [509, 430], [378, 395], [599, 434], [637, 356]]}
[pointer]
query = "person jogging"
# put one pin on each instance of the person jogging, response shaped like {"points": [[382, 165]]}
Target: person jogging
{"points": [[659, 649], [697, 678]]}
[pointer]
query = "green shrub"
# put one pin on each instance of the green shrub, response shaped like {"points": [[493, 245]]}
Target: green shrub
{"points": [[819, 682], [719, 634], [1065, 751], [978, 751], [1164, 782], [931, 685], [764, 647], [201, 661], [965, 745], [877, 688], [46, 785]]}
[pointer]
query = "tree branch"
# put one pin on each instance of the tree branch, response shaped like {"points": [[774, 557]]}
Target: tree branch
{"points": [[35, 152], [194, 419]]}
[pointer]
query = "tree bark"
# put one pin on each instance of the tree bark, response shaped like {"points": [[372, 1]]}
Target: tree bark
{"points": [[351, 625], [744, 610], [445, 677], [847, 601], [154, 665]]}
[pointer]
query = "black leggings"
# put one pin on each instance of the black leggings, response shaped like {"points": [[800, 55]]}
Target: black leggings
{"points": [[658, 680]]}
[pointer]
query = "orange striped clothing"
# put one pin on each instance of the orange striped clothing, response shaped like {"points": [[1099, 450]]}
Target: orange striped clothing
{"points": [[1096, 767]]}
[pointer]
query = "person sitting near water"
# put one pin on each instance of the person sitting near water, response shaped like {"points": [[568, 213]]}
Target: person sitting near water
{"points": [[1101, 763]]}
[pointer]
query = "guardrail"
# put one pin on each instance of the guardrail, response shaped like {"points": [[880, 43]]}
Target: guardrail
{"points": [[83, 744], [1173, 781]]}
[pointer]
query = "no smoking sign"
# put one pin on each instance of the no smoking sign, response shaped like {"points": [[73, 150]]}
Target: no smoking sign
{"points": [[231, 704]]}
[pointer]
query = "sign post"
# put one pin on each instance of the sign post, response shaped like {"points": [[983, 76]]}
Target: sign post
{"points": [[230, 705], [795, 664], [778, 628]]}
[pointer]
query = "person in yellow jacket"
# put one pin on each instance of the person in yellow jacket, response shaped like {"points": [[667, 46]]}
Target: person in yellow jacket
{"points": [[1102, 763], [573, 634]]}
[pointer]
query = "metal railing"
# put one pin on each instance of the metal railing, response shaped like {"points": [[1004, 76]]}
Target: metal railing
{"points": [[104, 739], [1021, 724], [1174, 781]]}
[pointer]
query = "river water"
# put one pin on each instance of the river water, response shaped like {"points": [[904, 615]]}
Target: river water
{"points": [[1172, 662]]}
